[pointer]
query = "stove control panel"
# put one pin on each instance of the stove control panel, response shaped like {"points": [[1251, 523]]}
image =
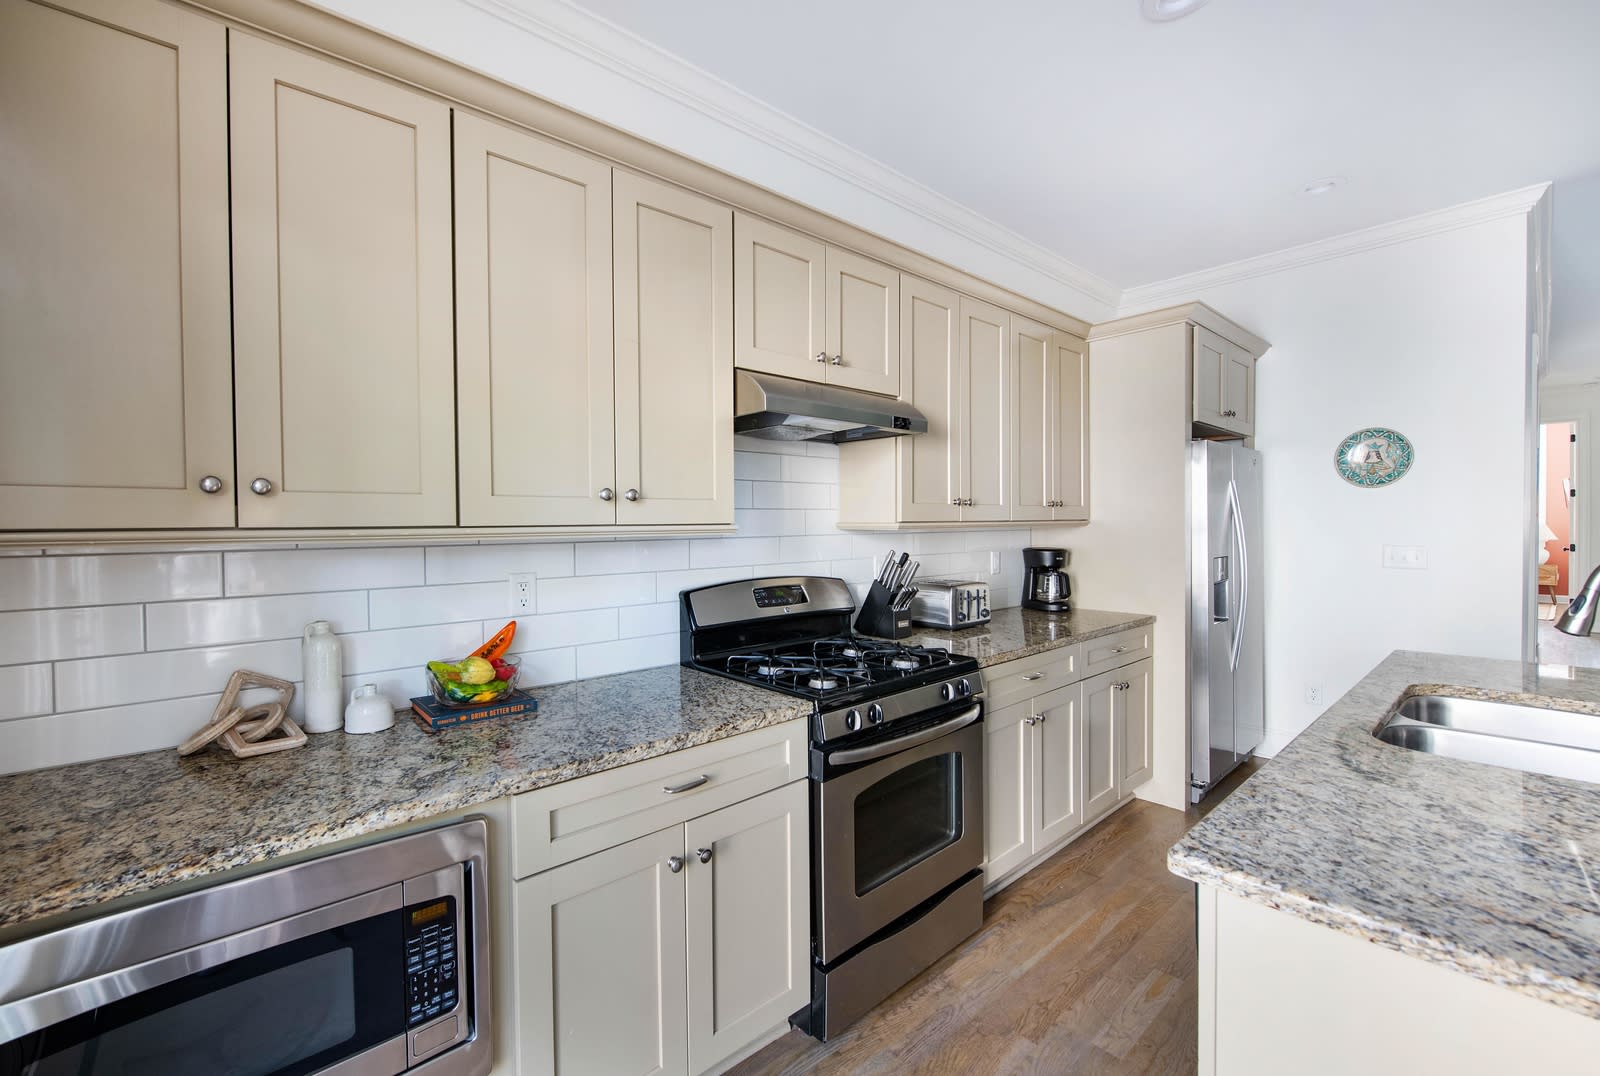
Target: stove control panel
{"points": [[787, 594], [908, 703]]}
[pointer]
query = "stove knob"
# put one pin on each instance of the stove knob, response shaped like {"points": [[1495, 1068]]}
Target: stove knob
{"points": [[947, 692], [852, 720], [963, 686], [875, 714]]}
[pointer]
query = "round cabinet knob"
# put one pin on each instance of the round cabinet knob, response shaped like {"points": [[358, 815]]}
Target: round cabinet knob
{"points": [[630, 495], [674, 864], [964, 686], [211, 484], [875, 714], [1030, 721], [822, 356], [261, 487], [703, 854], [606, 494], [837, 360], [852, 720]]}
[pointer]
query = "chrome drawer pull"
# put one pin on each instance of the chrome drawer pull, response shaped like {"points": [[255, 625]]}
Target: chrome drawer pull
{"points": [[673, 790], [1034, 676]]}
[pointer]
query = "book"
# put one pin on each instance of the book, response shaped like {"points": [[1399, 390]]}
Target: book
{"points": [[431, 716]]}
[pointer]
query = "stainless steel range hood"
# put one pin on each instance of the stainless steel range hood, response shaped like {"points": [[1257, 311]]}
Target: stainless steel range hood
{"points": [[783, 409]]}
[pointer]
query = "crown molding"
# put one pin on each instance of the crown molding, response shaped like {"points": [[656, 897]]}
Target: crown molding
{"points": [[1511, 203], [1188, 313], [600, 42]]}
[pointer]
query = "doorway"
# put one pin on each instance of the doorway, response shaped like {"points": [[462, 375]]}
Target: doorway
{"points": [[1558, 524]]}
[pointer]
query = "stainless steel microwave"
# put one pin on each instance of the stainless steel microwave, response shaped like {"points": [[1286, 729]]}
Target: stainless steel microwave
{"points": [[368, 962]]}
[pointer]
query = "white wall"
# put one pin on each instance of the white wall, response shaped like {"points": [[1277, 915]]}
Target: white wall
{"points": [[107, 654], [1427, 337]]}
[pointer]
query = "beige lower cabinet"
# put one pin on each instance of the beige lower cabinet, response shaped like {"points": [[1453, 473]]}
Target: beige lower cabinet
{"points": [[673, 270], [115, 403], [673, 951], [344, 364], [1056, 762]]}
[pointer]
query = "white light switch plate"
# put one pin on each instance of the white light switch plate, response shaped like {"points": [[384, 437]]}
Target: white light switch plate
{"points": [[1405, 556]]}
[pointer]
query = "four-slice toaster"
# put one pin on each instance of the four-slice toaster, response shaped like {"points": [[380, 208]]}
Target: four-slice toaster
{"points": [[950, 603]]}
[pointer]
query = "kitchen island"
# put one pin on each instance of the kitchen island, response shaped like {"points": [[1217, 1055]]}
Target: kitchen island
{"points": [[1365, 904]]}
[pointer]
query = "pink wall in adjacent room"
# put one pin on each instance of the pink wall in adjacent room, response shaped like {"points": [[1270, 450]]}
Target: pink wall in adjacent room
{"points": [[1558, 466]]}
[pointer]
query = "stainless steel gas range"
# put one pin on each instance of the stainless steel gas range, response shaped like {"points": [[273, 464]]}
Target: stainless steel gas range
{"points": [[896, 766]]}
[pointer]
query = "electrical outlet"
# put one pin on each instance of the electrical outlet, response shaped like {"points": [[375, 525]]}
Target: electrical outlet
{"points": [[1314, 694], [522, 592], [1405, 556]]}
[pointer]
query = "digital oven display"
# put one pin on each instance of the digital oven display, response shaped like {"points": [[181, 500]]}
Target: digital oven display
{"points": [[793, 594]]}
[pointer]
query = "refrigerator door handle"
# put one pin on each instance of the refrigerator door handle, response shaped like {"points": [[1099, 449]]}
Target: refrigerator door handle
{"points": [[1236, 512]]}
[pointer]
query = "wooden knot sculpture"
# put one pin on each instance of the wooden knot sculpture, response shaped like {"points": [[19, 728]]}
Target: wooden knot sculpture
{"points": [[249, 730]]}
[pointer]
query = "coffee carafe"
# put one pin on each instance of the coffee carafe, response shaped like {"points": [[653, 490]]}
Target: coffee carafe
{"points": [[1046, 587]]}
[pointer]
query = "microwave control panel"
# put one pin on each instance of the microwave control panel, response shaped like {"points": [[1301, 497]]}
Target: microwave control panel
{"points": [[432, 960]]}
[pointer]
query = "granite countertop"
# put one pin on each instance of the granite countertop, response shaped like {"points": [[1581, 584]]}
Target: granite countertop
{"points": [[1021, 633], [77, 835], [1487, 870]]}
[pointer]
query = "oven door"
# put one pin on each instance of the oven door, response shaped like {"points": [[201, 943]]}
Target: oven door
{"points": [[897, 821]]}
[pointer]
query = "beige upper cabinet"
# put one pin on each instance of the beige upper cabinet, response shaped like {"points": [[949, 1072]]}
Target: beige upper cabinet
{"points": [[115, 409], [344, 378], [807, 310], [1224, 383], [1052, 426], [989, 400], [931, 475], [533, 330], [672, 263]]}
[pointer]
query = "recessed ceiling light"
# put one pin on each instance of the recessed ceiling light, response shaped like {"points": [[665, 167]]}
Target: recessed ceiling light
{"points": [[1322, 186], [1167, 10]]}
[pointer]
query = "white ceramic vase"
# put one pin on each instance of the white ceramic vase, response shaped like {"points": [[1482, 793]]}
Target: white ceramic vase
{"points": [[324, 683]]}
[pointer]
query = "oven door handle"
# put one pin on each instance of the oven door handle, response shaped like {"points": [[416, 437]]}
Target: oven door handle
{"points": [[852, 755]]}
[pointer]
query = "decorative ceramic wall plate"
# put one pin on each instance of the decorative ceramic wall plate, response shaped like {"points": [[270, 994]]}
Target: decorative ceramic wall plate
{"points": [[1373, 457]]}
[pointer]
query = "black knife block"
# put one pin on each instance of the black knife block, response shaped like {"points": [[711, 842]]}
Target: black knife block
{"points": [[877, 618]]}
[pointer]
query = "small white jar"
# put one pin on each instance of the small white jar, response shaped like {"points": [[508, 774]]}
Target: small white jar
{"points": [[324, 684], [368, 711]]}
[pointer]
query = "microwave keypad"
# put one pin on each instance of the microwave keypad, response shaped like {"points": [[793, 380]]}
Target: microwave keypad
{"points": [[431, 976]]}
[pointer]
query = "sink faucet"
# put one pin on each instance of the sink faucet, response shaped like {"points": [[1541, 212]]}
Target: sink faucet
{"points": [[1580, 614]]}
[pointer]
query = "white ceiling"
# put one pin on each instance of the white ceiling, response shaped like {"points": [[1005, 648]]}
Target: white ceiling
{"points": [[1142, 151]]}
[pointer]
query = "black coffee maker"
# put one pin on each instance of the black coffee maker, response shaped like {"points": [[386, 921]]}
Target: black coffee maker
{"points": [[1046, 587]]}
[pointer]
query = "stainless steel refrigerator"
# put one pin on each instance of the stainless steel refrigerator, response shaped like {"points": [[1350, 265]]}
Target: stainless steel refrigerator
{"points": [[1227, 719]]}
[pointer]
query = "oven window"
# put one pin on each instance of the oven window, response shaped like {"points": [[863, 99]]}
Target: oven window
{"points": [[291, 1009], [903, 819]]}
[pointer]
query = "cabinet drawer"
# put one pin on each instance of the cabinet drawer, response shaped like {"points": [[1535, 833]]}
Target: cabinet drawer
{"points": [[576, 818], [1024, 678], [1114, 651]]}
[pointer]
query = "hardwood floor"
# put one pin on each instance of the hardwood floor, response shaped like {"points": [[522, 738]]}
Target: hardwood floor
{"points": [[1085, 965]]}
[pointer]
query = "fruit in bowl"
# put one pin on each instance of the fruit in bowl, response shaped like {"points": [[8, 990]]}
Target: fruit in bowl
{"points": [[486, 675]]}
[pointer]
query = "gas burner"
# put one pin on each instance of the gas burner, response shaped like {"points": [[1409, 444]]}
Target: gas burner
{"points": [[903, 661], [822, 682]]}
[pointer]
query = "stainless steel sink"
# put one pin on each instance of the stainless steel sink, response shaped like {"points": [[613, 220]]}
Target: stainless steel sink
{"points": [[1506, 734]]}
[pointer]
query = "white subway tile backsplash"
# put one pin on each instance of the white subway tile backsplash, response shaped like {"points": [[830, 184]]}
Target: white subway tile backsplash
{"points": [[761, 522], [821, 469], [793, 567], [494, 563], [299, 571], [655, 619], [595, 592], [743, 496], [35, 742], [55, 582], [55, 634], [816, 547], [792, 494], [411, 606], [167, 674], [670, 584], [171, 625], [548, 667], [937, 542], [854, 570], [822, 521], [603, 659], [609, 558], [397, 648], [548, 631], [25, 690], [757, 465], [721, 552]]}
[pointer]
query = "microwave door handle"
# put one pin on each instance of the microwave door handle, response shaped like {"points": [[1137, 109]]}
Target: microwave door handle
{"points": [[893, 747], [51, 1007]]}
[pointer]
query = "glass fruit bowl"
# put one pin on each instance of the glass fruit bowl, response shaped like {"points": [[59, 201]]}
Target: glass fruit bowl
{"points": [[448, 682]]}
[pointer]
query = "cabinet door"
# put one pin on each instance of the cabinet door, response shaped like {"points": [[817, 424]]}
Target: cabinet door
{"points": [[749, 925], [600, 971], [1070, 455], [1210, 358], [1239, 390], [344, 366], [1007, 783], [930, 463], [674, 367], [1038, 419], [863, 323], [1135, 725], [988, 404], [780, 300], [533, 329], [1058, 787], [1101, 765], [115, 388]]}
